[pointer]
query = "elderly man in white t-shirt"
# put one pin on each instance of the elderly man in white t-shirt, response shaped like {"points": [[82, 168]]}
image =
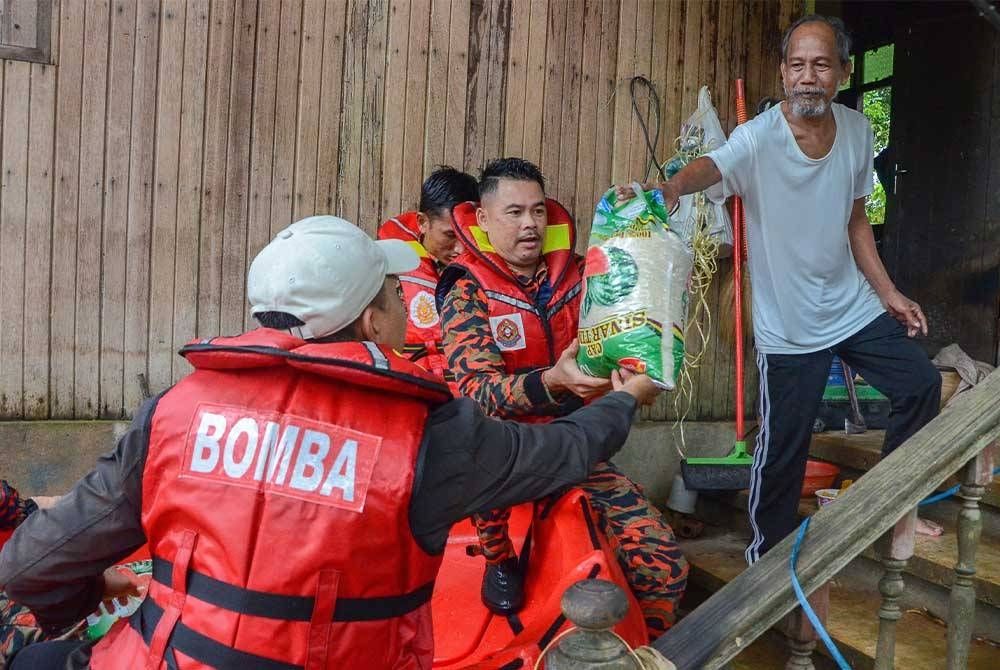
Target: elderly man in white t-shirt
{"points": [[803, 169]]}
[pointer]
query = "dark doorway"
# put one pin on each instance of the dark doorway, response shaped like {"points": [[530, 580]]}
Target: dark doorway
{"points": [[941, 170]]}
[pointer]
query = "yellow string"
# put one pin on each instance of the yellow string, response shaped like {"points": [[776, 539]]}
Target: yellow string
{"points": [[698, 326]]}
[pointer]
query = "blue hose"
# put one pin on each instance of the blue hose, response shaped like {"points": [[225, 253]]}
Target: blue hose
{"points": [[807, 608]]}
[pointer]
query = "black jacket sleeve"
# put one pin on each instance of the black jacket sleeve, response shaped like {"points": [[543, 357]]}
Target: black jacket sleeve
{"points": [[53, 564], [470, 462]]}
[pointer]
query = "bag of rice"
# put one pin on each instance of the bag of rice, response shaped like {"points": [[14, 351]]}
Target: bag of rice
{"points": [[635, 290]]}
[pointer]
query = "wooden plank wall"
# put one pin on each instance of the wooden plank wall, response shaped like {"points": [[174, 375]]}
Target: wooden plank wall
{"points": [[173, 138]]}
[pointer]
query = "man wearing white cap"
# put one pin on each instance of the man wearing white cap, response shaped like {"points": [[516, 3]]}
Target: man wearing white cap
{"points": [[296, 490]]}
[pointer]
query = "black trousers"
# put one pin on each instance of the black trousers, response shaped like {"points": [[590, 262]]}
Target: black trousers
{"points": [[53, 655], [791, 388]]}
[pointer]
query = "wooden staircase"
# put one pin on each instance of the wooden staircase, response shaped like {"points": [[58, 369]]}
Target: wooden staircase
{"points": [[717, 558]]}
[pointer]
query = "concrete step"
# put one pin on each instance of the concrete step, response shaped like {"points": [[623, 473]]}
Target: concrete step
{"points": [[862, 452], [717, 557]]}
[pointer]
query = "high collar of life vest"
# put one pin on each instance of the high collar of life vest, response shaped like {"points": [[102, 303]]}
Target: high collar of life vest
{"points": [[362, 363], [406, 227], [557, 245]]}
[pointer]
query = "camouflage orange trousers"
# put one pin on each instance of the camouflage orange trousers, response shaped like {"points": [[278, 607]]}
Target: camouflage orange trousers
{"points": [[644, 543]]}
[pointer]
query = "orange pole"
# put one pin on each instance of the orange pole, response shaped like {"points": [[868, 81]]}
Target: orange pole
{"points": [[739, 249]]}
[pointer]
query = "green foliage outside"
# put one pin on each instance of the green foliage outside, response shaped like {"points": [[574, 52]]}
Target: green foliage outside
{"points": [[877, 107]]}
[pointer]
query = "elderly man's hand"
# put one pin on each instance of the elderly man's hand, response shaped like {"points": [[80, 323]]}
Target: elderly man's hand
{"points": [[566, 375], [906, 312], [670, 195]]}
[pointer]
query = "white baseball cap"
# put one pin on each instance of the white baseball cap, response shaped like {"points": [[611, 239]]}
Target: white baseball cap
{"points": [[324, 271]]}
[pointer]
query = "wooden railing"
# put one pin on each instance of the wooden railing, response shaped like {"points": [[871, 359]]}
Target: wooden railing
{"points": [[757, 599], [880, 505]]}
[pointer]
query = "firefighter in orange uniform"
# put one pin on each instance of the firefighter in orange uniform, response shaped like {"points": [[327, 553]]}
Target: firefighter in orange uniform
{"points": [[509, 308], [428, 230], [279, 498]]}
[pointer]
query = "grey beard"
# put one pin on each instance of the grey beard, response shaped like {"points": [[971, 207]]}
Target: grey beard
{"points": [[808, 109]]}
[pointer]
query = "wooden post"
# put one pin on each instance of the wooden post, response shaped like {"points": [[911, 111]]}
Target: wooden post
{"points": [[962, 608], [801, 634], [895, 550], [594, 606]]}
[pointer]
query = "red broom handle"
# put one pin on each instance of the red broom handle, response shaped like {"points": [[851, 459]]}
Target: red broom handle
{"points": [[739, 248]]}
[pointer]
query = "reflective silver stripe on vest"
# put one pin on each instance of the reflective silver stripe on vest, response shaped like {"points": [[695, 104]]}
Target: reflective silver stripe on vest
{"points": [[572, 293], [417, 280], [378, 358], [514, 302]]}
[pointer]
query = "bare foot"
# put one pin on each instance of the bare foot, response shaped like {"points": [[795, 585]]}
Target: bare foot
{"points": [[925, 527]]}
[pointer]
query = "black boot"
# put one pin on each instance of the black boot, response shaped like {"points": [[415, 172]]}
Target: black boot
{"points": [[503, 590]]}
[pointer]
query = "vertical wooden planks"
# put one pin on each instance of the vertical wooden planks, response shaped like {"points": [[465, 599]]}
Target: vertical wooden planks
{"points": [[395, 105], [370, 184], [534, 88], [565, 190], [552, 120], [234, 235], [591, 107], [116, 209], [13, 222], [213, 189], [638, 154], [458, 69], [86, 398], [64, 215], [658, 75], [496, 81], [605, 103], [627, 37], [330, 109], [517, 77], [137, 279], [416, 107], [436, 116], [38, 245], [673, 91], [475, 116], [285, 116], [307, 132], [348, 197], [189, 185], [262, 137], [163, 242]]}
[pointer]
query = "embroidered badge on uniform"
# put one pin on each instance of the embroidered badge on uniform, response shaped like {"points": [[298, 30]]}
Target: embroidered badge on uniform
{"points": [[508, 331], [423, 313]]}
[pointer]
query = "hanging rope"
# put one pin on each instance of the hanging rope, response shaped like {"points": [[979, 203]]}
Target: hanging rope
{"points": [[652, 163]]}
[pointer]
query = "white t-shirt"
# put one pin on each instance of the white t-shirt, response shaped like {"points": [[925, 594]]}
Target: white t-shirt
{"points": [[808, 293]]}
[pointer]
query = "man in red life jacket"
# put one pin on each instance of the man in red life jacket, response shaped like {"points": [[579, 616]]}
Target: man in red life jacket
{"points": [[294, 521], [431, 235], [509, 308]]}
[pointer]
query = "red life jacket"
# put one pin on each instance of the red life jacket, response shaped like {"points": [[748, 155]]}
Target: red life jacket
{"points": [[275, 499], [423, 325], [529, 335]]}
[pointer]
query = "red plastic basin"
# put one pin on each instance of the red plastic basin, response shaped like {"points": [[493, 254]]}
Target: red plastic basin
{"points": [[819, 475]]}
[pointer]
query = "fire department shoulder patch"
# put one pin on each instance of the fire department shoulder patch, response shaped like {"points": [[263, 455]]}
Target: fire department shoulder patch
{"points": [[423, 313], [508, 332]]}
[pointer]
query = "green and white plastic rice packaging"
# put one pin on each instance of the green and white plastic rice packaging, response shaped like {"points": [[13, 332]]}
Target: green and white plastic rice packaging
{"points": [[635, 290]]}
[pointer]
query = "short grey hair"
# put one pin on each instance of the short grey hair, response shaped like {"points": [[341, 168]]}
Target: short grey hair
{"points": [[835, 24]]}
